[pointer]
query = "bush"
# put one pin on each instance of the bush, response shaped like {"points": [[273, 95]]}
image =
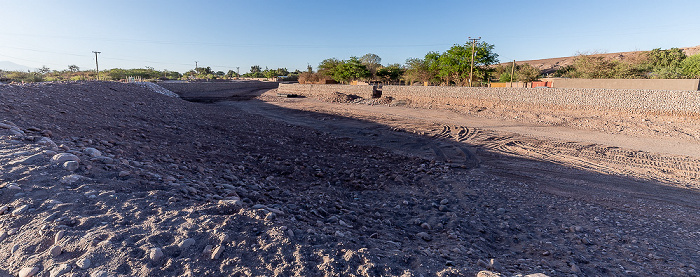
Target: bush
{"points": [[690, 66]]}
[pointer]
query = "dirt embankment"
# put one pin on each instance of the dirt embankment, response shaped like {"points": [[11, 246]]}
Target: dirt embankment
{"points": [[109, 179]]}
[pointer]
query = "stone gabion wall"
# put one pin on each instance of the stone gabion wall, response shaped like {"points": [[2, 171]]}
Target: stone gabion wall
{"points": [[628, 100], [325, 91], [198, 87], [673, 102]]}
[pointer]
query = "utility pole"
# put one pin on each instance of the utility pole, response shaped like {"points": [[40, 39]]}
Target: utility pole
{"points": [[195, 65], [512, 72], [471, 69], [238, 72], [97, 65]]}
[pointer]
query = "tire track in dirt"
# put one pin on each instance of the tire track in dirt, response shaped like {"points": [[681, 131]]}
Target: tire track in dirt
{"points": [[596, 157], [369, 133]]}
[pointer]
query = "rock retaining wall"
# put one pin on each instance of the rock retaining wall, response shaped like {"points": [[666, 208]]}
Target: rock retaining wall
{"points": [[325, 91], [206, 89], [627, 100]]}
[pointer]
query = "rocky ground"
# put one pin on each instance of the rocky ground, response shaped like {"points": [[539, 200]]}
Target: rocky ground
{"points": [[111, 179]]}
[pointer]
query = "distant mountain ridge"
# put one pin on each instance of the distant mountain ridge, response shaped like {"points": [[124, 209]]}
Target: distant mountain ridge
{"points": [[10, 66], [552, 64]]}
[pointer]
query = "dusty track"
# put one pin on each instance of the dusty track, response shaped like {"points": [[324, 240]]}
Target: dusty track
{"points": [[667, 160]]}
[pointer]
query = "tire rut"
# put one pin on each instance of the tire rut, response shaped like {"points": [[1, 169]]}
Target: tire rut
{"points": [[596, 157]]}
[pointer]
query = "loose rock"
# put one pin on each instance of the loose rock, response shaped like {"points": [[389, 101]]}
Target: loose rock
{"points": [[156, 254], [61, 158], [60, 270], [186, 243], [28, 271], [217, 252], [55, 250]]}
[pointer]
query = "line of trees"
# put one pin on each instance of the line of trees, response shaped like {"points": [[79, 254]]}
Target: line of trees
{"points": [[73, 73], [257, 72], [452, 67]]}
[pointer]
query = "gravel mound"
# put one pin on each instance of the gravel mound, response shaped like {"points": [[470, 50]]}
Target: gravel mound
{"points": [[158, 89]]}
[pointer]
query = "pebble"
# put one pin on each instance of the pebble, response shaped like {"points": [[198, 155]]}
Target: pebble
{"points": [[481, 263], [60, 270], [207, 250], [84, 263], [28, 272], [103, 159], [13, 186], [424, 236], [47, 142], [4, 209], [58, 236], [14, 249], [55, 250], [186, 243], [425, 225], [70, 179], [12, 231], [156, 254], [3, 235], [495, 265], [217, 252], [485, 273], [99, 273]]}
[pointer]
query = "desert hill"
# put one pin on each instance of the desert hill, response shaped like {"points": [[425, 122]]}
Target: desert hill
{"points": [[552, 64]]}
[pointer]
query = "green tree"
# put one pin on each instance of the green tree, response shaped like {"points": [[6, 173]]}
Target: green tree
{"points": [[373, 62], [328, 67], [424, 70], [666, 58], [456, 63], [391, 73], [690, 67], [255, 69], [350, 70], [527, 73], [73, 68], [231, 74]]}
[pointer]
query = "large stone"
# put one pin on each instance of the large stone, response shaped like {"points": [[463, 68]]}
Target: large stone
{"points": [[61, 158], [156, 254], [84, 263], [28, 272], [186, 243], [55, 250], [47, 142]]}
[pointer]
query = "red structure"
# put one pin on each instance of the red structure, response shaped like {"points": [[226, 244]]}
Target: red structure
{"points": [[541, 84]]}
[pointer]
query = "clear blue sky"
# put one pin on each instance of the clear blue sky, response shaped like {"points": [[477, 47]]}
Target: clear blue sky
{"points": [[225, 34]]}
